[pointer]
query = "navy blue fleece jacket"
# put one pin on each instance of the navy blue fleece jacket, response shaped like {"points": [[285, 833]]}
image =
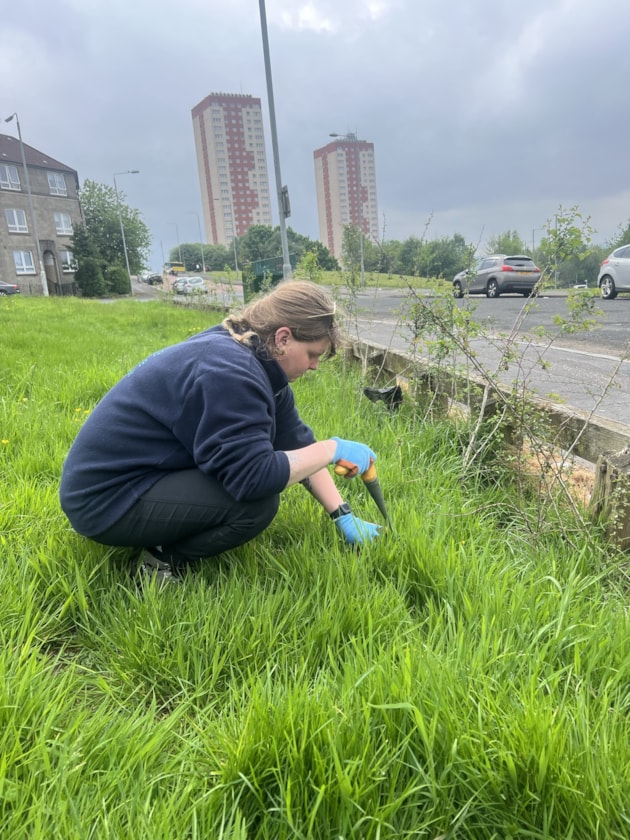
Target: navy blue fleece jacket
{"points": [[208, 402]]}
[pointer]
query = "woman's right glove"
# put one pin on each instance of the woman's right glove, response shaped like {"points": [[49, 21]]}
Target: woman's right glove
{"points": [[357, 531], [356, 457]]}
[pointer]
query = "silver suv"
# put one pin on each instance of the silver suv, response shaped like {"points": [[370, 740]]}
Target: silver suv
{"points": [[497, 274], [614, 273]]}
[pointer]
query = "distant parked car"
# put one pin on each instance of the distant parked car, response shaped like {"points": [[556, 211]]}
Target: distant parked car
{"points": [[189, 285], [497, 274], [153, 279], [614, 273], [9, 289]]}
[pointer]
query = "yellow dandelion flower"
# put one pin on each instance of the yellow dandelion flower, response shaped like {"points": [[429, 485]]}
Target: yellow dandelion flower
{"points": [[5, 441]]}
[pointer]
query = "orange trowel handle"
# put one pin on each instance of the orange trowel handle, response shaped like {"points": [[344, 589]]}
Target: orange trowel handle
{"points": [[349, 470]]}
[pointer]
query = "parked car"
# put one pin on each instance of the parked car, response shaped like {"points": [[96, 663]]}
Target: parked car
{"points": [[497, 274], [189, 285], [614, 273], [153, 279], [9, 289]]}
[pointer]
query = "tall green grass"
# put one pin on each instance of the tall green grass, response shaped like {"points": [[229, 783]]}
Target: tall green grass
{"points": [[458, 679]]}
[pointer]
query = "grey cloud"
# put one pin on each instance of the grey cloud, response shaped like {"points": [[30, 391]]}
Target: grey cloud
{"points": [[487, 113]]}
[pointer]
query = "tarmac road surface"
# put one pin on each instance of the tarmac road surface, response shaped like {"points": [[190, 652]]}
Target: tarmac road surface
{"points": [[587, 371]]}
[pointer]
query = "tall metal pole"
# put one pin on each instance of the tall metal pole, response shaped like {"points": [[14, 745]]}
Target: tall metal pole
{"points": [[286, 267], [42, 272], [203, 261], [122, 227], [179, 247], [362, 260], [235, 258]]}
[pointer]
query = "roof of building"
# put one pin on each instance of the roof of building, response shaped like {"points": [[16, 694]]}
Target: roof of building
{"points": [[10, 153]]}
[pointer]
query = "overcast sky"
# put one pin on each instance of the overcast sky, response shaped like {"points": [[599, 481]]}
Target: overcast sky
{"points": [[486, 115]]}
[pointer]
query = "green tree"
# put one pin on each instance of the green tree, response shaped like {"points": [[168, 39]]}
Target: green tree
{"points": [[583, 269], [116, 280], [568, 237], [508, 242], [444, 257], [218, 256], [622, 238], [389, 257], [351, 247], [300, 245], [410, 259], [309, 267], [215, 257], [262, 242], [191, 255], [89, 277], [102, 228]]}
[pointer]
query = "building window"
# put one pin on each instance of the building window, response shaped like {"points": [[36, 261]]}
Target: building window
{"points": [[23, 262], [9, 178], [57, 184], [67, 261], [16, 221], [63, 224]]}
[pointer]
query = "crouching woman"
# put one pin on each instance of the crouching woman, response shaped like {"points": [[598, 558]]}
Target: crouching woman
{"points": [[186, 456]]}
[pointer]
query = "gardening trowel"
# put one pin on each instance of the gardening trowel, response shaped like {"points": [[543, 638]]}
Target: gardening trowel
{"points": [[370, 479]]}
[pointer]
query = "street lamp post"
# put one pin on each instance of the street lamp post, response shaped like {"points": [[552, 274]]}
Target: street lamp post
{"points": [[42, 273], [235, 258], [179, 247], [203, 261], [122, 227], [283, 198], [534, 230], [354, 137]]}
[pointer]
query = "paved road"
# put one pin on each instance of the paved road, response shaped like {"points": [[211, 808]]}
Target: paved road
{"points": [[586, 371]]}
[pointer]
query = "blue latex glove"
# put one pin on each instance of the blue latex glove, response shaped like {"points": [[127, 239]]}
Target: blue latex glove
{"points": [[352, 452], [357, 530]]}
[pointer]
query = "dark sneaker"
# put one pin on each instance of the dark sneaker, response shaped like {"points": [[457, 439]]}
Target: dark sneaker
{"points": [[151, 568]]}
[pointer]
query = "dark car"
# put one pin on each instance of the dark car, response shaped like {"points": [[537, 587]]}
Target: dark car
{"points": [[614, 273], [496, 275], [9, 289], [151, 278]]}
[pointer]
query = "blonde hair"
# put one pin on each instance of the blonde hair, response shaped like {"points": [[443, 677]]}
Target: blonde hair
{"points": [[304, 307]]}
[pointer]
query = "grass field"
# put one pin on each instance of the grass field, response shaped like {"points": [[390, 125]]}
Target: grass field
{"points": [[466, 677], [372, 280]]}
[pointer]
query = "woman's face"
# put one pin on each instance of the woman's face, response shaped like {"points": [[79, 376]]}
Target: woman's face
{"points": [[296, 357]]}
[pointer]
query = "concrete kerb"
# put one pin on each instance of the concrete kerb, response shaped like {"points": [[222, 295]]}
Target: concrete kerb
{"points": [[588, 437]]}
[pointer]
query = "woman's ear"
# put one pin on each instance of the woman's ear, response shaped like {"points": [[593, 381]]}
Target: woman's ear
{"points": [[281, 337]]}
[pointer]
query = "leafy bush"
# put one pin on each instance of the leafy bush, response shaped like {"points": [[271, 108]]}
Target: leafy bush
{"points": [[89, 278], [117, 280]]}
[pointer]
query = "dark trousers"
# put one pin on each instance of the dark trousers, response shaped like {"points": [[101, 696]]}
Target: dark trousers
{"points": [[190, 516]]}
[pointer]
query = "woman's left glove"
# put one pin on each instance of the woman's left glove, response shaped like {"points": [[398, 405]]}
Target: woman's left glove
{"points": [[357, 531]]}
